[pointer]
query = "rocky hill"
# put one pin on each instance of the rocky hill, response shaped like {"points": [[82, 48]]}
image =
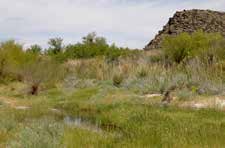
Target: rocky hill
{"points": [[190, 21]]}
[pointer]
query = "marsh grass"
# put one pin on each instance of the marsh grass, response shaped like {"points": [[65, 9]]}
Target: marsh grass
{"points": [[126, 121], [113, 97], [38, 134]]}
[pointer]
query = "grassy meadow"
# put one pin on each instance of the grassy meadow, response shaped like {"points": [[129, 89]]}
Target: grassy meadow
{"points": [[73, 96]]}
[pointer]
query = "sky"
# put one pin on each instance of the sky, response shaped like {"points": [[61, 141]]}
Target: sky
{"points": [[128, 23]]}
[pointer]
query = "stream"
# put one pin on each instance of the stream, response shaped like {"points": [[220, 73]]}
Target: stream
{"points": [[82, 124]]}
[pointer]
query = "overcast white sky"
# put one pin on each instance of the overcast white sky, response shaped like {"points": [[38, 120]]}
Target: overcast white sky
{"points": [[128, 23]]}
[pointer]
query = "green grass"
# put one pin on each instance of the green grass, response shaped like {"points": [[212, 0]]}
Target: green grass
{"points": [[125, 119]]}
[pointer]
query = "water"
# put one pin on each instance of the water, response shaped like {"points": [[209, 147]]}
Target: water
{"points": [[82, 124]]}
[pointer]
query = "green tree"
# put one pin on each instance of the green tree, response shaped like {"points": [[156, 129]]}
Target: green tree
{"points": [[34, 49], [56, 45], [91, 46], [90, 38]]}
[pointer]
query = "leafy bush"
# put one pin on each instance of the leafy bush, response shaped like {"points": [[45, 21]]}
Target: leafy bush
{"points": [[84, 51], [206, 46], [12, 57], [42, 71], [117, 79], [177, 48], [113, 53], [91, 46]]}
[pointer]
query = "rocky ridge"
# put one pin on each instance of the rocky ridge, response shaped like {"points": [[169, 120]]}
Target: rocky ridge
{"points": [[190, 21]]}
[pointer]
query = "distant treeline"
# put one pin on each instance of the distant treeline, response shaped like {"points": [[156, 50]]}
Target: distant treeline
{"points": [[90, 47]]}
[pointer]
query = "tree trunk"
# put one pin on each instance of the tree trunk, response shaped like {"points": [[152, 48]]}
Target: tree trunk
{"points": [[34, 89], [2, 66]]}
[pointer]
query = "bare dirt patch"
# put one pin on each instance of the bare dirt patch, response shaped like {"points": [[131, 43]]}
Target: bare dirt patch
{"points": [[13, 103]]}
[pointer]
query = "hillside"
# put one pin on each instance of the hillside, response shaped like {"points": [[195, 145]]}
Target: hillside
{"points": [[190, 21]]}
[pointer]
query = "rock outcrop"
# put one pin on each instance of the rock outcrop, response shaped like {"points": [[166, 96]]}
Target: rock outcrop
{"points": [[190, 21]]}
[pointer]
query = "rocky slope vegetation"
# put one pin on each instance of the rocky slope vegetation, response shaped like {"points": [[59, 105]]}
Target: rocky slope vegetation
{"points": [[190, 21]]}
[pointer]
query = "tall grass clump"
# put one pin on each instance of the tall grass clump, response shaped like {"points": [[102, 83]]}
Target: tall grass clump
{"points": [[117, 79], [39, 134]]}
